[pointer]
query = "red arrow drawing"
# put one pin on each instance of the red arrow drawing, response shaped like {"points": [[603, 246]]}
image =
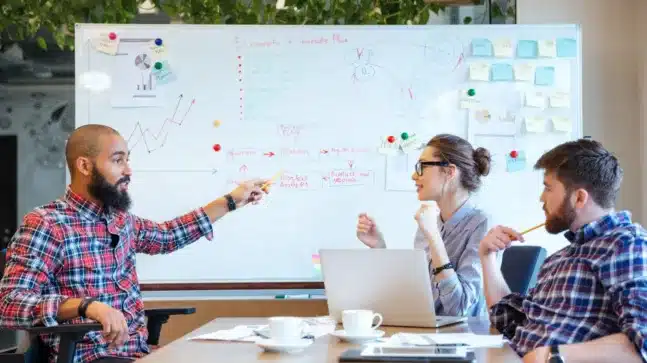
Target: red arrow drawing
{"points": [[323, 151], [270, 154]]}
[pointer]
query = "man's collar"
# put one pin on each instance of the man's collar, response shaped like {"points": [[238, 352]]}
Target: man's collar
{"points": [[599, 227], [87, 208]]}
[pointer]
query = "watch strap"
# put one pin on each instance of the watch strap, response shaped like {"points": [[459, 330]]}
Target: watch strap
{"points": [[439, 269], [231, 204], [83, 306]]}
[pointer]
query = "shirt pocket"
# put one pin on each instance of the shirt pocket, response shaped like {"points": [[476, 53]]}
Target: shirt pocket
{"points": [[89, 265]]}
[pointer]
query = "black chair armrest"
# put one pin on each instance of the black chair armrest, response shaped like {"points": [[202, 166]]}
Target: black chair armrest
{"points": [[65, 329], [158, 317], [169, 311]]}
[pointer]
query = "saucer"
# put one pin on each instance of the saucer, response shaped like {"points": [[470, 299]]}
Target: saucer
{"points": [[270, 345], [358, 339]]}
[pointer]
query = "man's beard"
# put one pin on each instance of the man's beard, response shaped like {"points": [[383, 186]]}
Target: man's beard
{"points": [[563, 219], [109, 194]]}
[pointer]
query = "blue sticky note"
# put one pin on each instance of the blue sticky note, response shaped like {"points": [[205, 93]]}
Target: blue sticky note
{"points": [[515, 164], [502, 72], [482, 48], [566, 47], [527, 49], [164, 75], [545, 76]]}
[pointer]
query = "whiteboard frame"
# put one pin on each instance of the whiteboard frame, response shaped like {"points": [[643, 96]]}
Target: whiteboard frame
{"points": [[82, 101]]}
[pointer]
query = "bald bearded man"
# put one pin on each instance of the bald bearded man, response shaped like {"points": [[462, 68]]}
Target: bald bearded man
{"points": [[73, 260]]}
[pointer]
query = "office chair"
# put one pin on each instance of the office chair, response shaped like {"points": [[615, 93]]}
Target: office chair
{"points": [[520, 267], [35, 351]]}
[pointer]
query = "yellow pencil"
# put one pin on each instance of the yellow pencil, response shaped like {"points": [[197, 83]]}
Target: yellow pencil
{"points": [[533, 228], [272, 180]]}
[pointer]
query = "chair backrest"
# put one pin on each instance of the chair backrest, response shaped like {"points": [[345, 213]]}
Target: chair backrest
{"points": [[3, 253], [520, 266]]}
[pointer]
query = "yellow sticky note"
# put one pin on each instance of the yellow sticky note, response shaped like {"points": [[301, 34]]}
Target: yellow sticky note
{"points": [[560, 100], [562, 124], [156, 52], [535, 99], [479, 72], [104, 44], [503, 48], [524, 72], [412, 143], [535, 124], [389, 148], [216, 123], [482, 115], [548, 48]]}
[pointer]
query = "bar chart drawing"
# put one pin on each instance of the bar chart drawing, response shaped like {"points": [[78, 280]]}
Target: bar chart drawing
{"points": [[143, 63]]}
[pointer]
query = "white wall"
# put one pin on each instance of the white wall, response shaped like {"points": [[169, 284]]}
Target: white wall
{"points": [[612, 52], [37, 183]]}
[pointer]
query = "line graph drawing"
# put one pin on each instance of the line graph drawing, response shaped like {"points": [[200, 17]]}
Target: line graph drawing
{"points": [[155, 140]]}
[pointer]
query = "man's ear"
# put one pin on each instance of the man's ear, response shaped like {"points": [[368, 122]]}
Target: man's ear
{"points": [[581, 197], [84, 166]]}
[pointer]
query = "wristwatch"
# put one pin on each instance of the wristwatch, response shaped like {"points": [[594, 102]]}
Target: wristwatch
{"points": [[83, 306], [439, 269], [231, 205], [554, 356]]}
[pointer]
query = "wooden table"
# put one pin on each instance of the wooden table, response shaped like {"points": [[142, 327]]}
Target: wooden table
{"points": [[325, 349]]}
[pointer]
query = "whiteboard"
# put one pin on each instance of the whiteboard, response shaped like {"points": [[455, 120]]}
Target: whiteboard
{"points": [[319, 103]]}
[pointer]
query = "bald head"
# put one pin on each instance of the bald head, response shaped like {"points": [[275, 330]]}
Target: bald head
{"points": [[85, 141]]}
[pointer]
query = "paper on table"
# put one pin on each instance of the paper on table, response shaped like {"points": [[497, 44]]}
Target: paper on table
{"points": [[470, 339], [316, 327]]}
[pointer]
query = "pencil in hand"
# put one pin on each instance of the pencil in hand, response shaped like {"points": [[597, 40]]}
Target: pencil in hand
{"points": [[532, 229], [267, 184]]}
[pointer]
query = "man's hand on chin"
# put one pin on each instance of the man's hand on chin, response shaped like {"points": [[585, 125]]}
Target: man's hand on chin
{"points": [[538, 355]]}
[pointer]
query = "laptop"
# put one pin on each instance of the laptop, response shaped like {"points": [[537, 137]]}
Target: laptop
{"points": [[392, 282]]}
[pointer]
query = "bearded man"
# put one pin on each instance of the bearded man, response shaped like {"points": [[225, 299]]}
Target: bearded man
{"points": [[73, 259], [590, 300]]}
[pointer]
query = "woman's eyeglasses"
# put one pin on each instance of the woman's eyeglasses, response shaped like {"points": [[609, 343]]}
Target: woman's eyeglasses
{"points": [[421, 164]]}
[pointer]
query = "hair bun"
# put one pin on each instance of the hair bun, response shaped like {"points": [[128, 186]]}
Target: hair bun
{"points": [[482, 159]]}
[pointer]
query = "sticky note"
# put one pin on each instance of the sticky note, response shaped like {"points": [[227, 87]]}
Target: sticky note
{"points": [[388, 148], [562, 124], [480, 72], [412, 143], [535, 99], [535, 124], [514, 164], [566, 47], [560, 100], [104, 44], [216, 123], [481, 48], [157, 52], [545, 76], [524, 72], [503, 48], [527, 49], [502, 72], [547, 48], [482, 115], [164, 75]]}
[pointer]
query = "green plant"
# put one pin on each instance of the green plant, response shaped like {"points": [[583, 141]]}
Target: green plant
{"points": [[26, 19]]}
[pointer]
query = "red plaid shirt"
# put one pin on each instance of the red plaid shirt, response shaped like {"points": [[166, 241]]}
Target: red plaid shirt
{"points": [[64, 250]]}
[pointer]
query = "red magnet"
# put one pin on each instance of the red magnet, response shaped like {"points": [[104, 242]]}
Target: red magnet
{"points": [[514, 154], [216, 147], [391, 139], [112, 36]]}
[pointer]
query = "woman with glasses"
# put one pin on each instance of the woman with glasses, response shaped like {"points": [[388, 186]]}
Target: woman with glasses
{"points": [[448, 171]]}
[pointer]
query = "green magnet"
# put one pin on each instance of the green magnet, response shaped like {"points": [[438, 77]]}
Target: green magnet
{"points": [[404, 136], [158, 65], [471, 92]]}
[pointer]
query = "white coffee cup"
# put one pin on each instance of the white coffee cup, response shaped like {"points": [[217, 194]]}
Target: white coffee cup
{"points": [[286, 328], [360, 322]]}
